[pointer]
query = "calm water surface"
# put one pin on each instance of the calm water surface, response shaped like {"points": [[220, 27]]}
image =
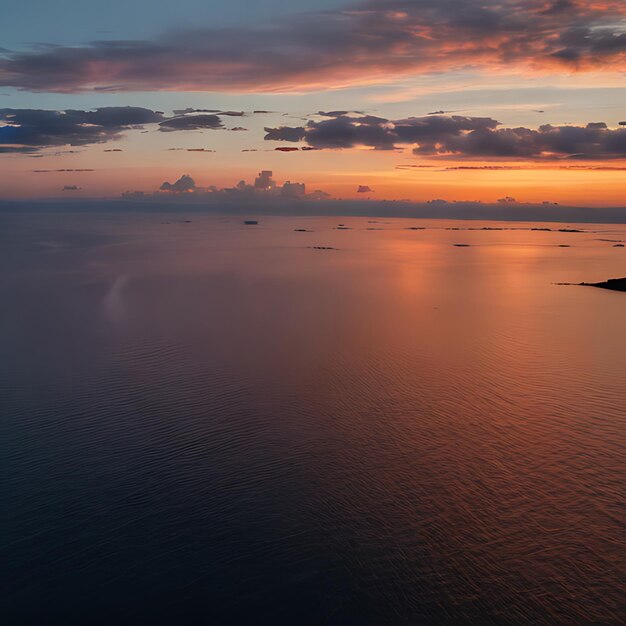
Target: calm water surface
{"points": [[214, 423]]}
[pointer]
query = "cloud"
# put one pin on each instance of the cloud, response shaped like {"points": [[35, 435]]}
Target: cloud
{"points": [[459, 136], [337, 113], [24, 131], [29, 130], [370, 41], [530, 168], [364, 189], [191, 122], [407, 166], [263, 187], [86, 169], [71, 188], [285, 133], [184, 184], [192, 110]]}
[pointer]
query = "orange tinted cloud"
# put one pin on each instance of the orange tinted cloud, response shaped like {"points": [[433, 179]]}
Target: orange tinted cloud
{"points": [[372, 42]]}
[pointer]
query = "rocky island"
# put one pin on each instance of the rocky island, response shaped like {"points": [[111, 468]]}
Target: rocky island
{"points": [[615, 284]]}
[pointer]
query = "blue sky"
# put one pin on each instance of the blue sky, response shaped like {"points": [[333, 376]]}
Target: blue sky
{"points": [[78, 21]]}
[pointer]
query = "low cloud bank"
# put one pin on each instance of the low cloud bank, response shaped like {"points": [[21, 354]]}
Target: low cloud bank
{"points": [[264, 186]]}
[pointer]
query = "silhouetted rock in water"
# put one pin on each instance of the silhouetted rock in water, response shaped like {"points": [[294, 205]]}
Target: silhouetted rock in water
{"points": [[322, 248], [301, 230], [564, 245], [370, 228], [547, 230], [343, 228], [250, 222], [570, 230], [614, 284], [618, 245], [461, 245], [416, 228]]}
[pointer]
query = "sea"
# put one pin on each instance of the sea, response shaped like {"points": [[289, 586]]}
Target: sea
{"points": [[310, 420]]}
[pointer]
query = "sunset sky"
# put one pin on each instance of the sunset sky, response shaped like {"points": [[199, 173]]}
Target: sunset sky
{"points": [[422, 99]]}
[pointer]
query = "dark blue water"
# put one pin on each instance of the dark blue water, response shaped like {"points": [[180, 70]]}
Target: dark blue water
{"points": [[212, 423]]}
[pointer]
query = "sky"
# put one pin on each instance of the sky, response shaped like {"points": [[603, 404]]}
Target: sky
{"points": [[511, 100]]}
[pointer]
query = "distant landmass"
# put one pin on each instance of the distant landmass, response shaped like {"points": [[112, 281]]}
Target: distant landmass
{"points": [[257, 207]]}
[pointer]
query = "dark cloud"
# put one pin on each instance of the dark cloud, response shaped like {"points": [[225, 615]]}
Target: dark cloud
{"points": [[28, 130], [238, 128], [184, 184], [593, 141], [332, 113], [338, 132], [560, 6], [285, 133], [85, 169], [201, 121], [71, 188], [531, 168], [192, 110], [407, 166], [373, 40], [459, 136]]}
